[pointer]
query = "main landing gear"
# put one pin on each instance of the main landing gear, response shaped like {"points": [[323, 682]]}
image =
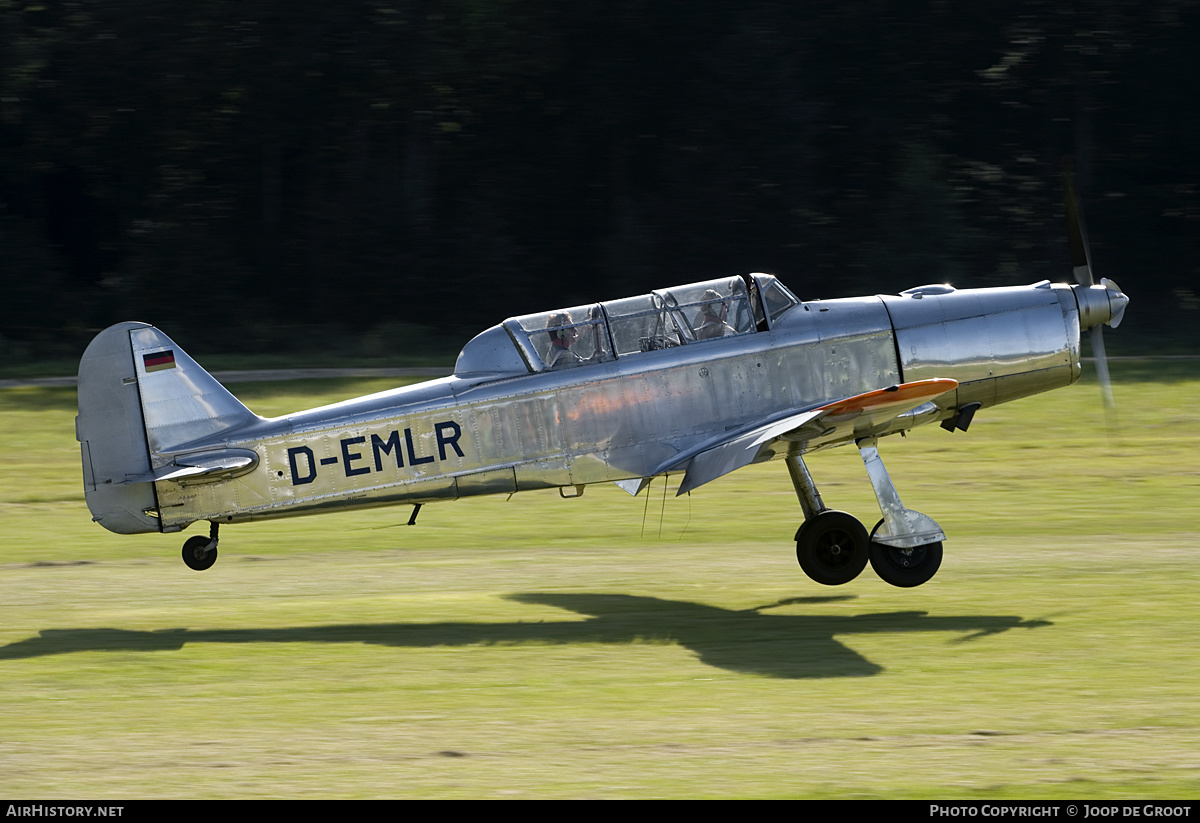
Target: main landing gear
{"points": [[199, 553], [833, 547]]}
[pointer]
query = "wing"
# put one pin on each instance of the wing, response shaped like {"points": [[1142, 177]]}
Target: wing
{"points": [[832, 421]]}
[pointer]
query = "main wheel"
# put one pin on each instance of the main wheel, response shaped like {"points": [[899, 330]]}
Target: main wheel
{"points": [[195, 556], [832, 547], [904, 567]]}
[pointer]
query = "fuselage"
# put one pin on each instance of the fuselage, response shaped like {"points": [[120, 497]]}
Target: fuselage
{"points": [[505, 422]]}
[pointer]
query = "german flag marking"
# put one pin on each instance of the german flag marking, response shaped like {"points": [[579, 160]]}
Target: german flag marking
{"points": [[159, 360]]}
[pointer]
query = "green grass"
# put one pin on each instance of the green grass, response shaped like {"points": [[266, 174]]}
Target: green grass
{"points": [[622, 647]]}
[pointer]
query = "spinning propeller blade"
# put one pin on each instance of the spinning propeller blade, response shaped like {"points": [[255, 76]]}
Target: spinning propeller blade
{"points": [[1081, 257], [1098, 305]]}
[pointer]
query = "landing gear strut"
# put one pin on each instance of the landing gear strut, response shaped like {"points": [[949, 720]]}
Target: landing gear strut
{"points": [[906, 546], [199, 553], [832, 546]]}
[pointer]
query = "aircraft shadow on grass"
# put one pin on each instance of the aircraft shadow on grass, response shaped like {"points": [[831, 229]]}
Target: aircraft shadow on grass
{"points": [[773, 645]]}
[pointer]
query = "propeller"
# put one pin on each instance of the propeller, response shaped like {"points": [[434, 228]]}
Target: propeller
{"points": [[1098, 304]]}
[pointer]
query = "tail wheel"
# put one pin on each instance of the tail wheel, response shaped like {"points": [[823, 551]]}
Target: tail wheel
{"points": [[197, 555], [904, 567], [832, 547]]}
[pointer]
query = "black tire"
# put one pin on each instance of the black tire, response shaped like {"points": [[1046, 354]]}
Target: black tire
{"points": [[905, 567], [194, 555], [832, 547]]}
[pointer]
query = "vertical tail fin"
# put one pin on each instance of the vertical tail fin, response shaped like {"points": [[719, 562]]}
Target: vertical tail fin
{"points": [[141, 398], [181, 402]]}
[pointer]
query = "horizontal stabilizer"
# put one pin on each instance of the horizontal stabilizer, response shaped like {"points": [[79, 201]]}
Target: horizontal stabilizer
{"points": [[206, 467]]}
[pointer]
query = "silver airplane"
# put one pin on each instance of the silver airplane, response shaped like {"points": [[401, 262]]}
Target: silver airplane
{"points": [[697, 380]]}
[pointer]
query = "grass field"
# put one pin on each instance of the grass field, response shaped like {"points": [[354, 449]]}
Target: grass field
{"points": [[626, 647]]}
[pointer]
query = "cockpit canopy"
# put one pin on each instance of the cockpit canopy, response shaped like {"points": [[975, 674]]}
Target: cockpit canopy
{"points": [[600, 332]]}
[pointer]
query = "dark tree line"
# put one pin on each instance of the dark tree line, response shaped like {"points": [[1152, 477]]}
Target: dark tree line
{"points": [[307, 172]]}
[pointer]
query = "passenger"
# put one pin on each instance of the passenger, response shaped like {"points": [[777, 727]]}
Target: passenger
{"points": [[710, 322], [560, 355]]}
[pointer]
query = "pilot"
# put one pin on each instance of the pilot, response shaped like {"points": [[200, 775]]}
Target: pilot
{"points": [[710, 322], [560, 355]]}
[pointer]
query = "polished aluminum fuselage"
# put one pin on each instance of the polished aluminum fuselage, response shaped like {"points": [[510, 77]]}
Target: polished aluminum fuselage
{"points": [[500, 431]]}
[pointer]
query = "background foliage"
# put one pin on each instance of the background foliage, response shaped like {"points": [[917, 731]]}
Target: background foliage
{"points": [[306, 173]]}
